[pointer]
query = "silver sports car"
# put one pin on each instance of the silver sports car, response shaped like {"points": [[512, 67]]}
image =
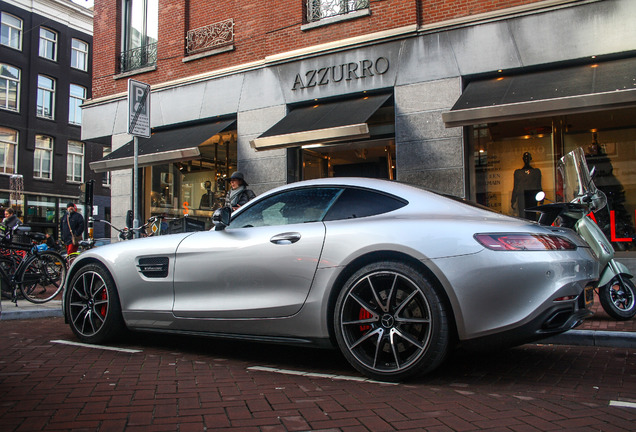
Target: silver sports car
{"points": [[392, 275]]}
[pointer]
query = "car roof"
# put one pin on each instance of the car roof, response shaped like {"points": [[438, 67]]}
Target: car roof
{"points": [[388, 186]]}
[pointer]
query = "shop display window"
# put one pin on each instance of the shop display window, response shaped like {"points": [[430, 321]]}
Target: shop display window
{"points": [[41, 209], [513, 160], [192, 187]]}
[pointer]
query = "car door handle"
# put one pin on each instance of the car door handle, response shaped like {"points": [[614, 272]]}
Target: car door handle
{"points": [[285, 238]]}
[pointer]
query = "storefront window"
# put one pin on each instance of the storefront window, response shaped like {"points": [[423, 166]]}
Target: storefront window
{"points": [[40, 209], [513, 160], [193, 187]]}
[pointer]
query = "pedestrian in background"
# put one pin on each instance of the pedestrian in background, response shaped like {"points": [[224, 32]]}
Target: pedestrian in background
{"points": [[10, 219], [71, 224], [238, 194]]}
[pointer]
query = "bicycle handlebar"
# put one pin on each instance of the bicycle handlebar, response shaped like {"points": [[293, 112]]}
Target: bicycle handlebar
{"points": [[128, 233]]}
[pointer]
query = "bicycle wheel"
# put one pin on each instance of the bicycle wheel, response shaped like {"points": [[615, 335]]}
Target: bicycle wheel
{"points": [[41, 278]]}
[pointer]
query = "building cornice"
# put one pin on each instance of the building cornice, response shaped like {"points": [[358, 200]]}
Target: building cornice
{"points": [[62, 11]]}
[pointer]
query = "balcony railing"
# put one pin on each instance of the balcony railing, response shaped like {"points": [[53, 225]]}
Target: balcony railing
{"points": [[138, 58], [211, 36], [321, 9]]}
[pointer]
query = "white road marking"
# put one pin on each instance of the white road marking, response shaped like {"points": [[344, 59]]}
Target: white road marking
{"points": [[622, 404], [107, 348], [317, 375]]}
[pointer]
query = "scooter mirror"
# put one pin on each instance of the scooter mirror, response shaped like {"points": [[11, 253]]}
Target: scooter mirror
{"points": [[540, 196]]}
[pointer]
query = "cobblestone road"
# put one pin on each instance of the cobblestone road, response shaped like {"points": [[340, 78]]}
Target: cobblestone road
{"points": [[194, 384]]}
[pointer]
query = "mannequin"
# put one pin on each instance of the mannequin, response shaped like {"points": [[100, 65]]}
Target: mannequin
{"points": [[527, 182], [207, 200]]}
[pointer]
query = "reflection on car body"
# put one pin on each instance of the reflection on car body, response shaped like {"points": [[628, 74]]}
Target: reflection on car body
{"points": [[392, 275]]}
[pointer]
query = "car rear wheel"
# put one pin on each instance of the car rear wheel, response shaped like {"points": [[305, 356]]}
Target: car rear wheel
{"points": [[390, 323], [92, 305]]}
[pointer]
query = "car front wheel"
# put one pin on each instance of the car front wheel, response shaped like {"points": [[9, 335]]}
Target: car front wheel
{"points": [[390, 323], [92, 305]]}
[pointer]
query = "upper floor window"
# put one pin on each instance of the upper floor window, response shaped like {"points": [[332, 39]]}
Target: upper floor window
{"points": [[321, 9], [9, 87], [79, 55], [77, 95], [11, 31], [141, 29], [8, 150], [75, 162], [46, 97], [106, 174], [48, 44], [43, 157]]}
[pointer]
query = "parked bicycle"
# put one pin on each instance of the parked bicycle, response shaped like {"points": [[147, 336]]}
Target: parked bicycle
{"points": [[30, 271], [151, 228], [126, 233]]}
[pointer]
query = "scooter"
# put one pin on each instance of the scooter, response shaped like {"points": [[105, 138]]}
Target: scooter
{"points": [[578, 197]]}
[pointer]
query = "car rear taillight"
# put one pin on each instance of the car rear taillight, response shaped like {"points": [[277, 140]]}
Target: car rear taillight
{"points": [[524, 242]]}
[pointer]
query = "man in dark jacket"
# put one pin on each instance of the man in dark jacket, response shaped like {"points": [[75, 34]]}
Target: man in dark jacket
{"points": [[72, 223]]}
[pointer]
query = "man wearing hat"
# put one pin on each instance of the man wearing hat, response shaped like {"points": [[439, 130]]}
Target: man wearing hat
{"points": [[72, 223], [238, 194]]}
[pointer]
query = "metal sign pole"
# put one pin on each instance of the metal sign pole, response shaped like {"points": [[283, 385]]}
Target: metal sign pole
{"points": [[139, 125], [135, 185]]}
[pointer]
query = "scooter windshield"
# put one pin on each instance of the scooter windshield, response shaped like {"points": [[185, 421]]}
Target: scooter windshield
{"points": [[575, 181]]}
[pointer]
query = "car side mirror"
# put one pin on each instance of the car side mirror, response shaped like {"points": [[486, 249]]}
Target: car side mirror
{"points": [[129, 218], [221, 218]]}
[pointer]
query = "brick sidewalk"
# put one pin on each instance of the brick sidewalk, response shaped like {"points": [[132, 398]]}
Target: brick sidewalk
{"points": [[602, 321], [184, 384]]}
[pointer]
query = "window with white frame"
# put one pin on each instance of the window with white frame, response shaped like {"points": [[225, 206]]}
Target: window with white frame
{"points": [[8, 150], [75, 162], [43, 157], [11, 29], [106, 174], [79, 55], [48, 44], [9, 87], [46, 97], [77, 96], [321, 9]]}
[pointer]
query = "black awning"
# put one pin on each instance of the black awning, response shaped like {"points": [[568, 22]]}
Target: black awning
{"points": [[323, 122], [591, 87], [162, 147]]}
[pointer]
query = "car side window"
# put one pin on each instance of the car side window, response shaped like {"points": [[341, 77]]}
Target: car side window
{"points": [[356, 203], [289, 207]]}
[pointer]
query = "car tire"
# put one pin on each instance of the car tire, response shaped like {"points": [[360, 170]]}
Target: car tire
{"points": [[92, 305], [390, 323]]}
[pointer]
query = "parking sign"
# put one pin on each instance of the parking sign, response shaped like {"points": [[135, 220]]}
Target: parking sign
{"points": [[138, 108]]}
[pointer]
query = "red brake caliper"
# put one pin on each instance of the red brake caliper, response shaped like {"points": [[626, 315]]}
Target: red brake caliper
{"points": [[364, 314], [102, 309]]}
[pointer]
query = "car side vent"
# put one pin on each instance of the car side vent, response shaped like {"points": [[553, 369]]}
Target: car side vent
{"points": [[154, 267]]}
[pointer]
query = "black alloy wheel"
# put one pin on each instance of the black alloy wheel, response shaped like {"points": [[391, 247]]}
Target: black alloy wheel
{"points": [[92, 305], [390, 323]]}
